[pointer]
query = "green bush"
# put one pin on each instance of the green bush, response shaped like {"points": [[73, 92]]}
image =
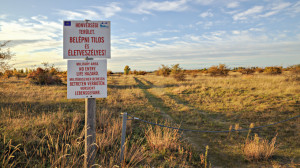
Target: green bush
{"points": [[220, 70]]}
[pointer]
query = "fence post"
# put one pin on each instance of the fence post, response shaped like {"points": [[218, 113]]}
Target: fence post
{"points": [[123, 136], [90, 132]]}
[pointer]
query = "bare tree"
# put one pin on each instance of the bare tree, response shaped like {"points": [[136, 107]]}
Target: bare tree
{"points": [[5, 55]]}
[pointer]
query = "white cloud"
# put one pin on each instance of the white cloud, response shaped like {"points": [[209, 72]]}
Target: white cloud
{"points": [[233, 4], [80, 14], [102, 12], [147, 6], [30, 30], [276, 8], [39, 18], [168, 39], [205, 25], [109, 10], [213, 48], [206, 14], [296, 7], [158, 32], [3, 16], [34, 39], [280, 6], [204, 2], [236, 32], [250, 12]]}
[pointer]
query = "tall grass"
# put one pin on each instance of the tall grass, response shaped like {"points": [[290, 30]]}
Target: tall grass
{"points": [[162, 138], [42, 128], [259, 149]]}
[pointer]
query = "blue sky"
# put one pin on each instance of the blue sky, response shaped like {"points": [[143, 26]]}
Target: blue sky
{"points": [[146, 34]]}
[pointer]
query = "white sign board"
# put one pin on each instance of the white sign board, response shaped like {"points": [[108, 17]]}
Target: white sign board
{"points": [[87, 79], [86, 39]]}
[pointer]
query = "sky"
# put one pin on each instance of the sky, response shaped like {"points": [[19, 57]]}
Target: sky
{"points": [[145, 34]]}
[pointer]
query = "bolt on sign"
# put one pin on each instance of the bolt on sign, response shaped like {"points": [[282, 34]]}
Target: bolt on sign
{"points": [[86, 39], [87, 79]]}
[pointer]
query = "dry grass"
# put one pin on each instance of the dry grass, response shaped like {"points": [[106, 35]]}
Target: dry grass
{"points": [[216, 103], [259, 149], [39, 127], [162, 138]]}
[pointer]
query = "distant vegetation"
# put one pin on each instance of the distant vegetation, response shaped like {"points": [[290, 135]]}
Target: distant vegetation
{"points": [[126, 70], [175, 71], [40, 127], [49, 75], [220, 70]]}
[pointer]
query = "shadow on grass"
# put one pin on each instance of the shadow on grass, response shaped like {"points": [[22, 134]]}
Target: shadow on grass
{"points": [[212, 117], [217, 156], [155, 101], [36, 108], [122, 86]]}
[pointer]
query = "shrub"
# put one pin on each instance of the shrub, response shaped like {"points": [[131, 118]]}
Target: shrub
{"points": [[109, 72], [16, 73], [273, 70], [126, 70], [246, 71], [295, 69], [220, 70], [142, 73], [7, 74], [194, 74], [177, 72], [135, 72], [259, 70], [259, 149], [164, 70], [204, 70], [63, 75], [42, 76]]}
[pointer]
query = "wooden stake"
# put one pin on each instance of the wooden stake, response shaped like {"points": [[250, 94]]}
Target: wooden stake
{"points": [[123, 136], [90, 132]]}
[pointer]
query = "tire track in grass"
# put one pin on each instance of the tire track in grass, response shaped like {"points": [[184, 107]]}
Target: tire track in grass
{"points": [[159, 103], [218, 157]]}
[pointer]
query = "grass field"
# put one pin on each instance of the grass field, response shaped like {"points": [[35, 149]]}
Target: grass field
{"points": [[40, 127]]}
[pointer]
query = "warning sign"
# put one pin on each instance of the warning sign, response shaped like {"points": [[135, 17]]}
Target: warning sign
{"points": [[87, 79], [86, 39]]}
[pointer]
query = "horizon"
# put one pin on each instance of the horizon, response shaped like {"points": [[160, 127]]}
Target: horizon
{"points": [[145, 34]]}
